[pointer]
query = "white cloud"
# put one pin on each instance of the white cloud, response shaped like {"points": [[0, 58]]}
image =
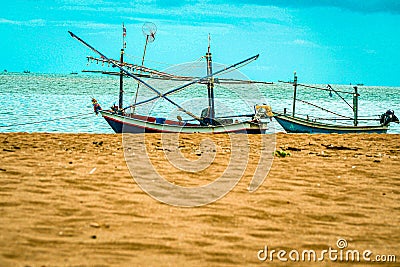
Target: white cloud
{"points": [[32, 22], [72, 23], [7, 21], [84, 24], [370, 51], [306, 43], [189, 12]]}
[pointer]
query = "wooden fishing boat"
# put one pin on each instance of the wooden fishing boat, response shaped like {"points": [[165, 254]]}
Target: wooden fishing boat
{"points": [[299, 125], [133, 123], [121, 121], [295, 124]]}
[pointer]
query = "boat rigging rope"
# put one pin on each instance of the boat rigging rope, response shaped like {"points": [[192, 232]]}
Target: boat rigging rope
{"points": [[148, 60], [336, 92], [324, 109], [187, 68], [324, 89], [360, 118], [44, 121], [184, 68], [339, 119], [233, 69], [180, 88]]}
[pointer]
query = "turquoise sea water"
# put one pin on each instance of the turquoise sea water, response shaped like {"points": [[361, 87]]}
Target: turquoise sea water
{"points": [[62, 103]]}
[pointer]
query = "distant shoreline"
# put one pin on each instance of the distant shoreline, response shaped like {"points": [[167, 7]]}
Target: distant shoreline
{"points": [[80, 74]]}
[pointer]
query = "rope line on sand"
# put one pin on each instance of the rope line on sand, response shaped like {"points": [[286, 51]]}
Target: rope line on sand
{"points": [[55, 119]]}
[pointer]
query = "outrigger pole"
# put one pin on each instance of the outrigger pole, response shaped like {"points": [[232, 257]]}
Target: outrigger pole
{"points": [[133, 76], [159, 94]]}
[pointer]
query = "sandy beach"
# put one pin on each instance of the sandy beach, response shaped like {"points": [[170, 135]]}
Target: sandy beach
{"points": [[70, 200]]}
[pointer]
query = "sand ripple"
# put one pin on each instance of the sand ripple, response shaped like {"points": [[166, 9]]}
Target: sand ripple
{"points": [[69, 200]]}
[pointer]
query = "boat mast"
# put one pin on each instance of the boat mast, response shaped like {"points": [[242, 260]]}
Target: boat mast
{"points": [[149, 30], [121, 73], [355, 105], [210, 84], [294, 93]]}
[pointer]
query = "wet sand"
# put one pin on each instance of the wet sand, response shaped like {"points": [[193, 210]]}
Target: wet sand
{"points": [[69, 200]]}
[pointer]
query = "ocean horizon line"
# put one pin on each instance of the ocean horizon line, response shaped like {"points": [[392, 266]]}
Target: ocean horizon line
{"points": [[80, 73]]}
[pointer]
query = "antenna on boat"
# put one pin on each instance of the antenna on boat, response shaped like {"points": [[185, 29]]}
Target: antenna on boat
{"points": [[210, 83], [121, 73], [123, 36], [294, 93], [149, 30]]}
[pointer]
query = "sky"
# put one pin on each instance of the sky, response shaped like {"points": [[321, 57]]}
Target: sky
{"points": [[338, 42]]}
